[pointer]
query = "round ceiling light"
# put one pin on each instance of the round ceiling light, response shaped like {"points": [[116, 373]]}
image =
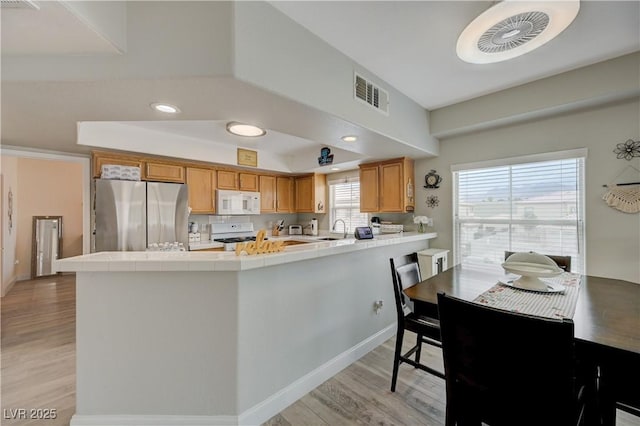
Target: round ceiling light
{"points": [[512, 28], [168, 108], [349, 138], [242, 129]]}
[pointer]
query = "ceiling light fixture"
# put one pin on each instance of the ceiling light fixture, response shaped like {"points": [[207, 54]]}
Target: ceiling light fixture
{"points": [[512, 28], [349, 138], [242, 129], [335, 169], [168, 108]]}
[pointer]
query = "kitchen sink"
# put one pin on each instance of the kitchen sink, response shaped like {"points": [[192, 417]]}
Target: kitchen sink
{"points": [[328, 239]]}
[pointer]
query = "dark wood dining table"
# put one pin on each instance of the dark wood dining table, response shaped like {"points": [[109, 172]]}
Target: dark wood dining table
{"points": [[607, 322]]}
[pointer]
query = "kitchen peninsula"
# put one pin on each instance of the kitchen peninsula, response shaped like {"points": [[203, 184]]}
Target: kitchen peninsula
{"points": [[175, 338]]}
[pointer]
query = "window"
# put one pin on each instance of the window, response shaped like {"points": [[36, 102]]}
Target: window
{"points": [[344, 203], [523, 206]]}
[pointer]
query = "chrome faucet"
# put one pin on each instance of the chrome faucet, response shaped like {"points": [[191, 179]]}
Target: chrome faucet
{"points": [[344, 225]]}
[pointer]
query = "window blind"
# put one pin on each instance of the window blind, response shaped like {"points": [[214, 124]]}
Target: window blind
{"points": [[520, 207], [344, 203]]}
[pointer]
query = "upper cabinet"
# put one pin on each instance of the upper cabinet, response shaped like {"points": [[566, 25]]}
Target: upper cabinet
{"points": [[227, 179], [248, 182], [103, 158], [387, 186], [202, 185], [284, 195], [267, 194], [163, 172], [311, 194]]}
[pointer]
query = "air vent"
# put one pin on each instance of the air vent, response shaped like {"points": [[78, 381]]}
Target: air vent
{"points": [[18, 4], [372, 95]]}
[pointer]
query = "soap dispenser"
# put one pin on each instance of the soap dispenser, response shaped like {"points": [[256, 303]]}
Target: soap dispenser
{"points": [[314, 226]]}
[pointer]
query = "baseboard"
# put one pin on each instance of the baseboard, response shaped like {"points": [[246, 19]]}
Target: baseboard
{"points": [[5, 289], [277, 402], [151, 420], [259, 413]]}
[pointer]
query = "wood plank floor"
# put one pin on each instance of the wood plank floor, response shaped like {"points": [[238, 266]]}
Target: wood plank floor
{"points": [[37, 357]]}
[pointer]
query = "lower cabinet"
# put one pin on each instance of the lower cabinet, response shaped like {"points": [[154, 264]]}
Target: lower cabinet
{"points": [[202, 184]]}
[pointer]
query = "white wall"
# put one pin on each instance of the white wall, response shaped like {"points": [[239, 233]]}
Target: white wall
{"points": [[9, 171], [274, 52], [164, 39], [612, 237]]}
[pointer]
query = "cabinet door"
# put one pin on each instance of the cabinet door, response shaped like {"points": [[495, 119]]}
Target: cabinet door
{"points": [[99, 160], [284, 195], [202, 186], [369, 189], [227, 179], [304, 194], [391, 188], [160, 172], [248, 182], [267, 194]]}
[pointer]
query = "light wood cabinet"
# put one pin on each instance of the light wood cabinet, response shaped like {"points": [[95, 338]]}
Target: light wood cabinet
{"points": [[392, 182], [369, 194], [267, 194], [162, 172], [248, 182], [311, 194], [100, 159], [227, 179], [202, 187], [284, 195]]}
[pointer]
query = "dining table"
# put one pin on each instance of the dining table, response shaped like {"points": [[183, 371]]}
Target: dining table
{"points": [[606, 322]]}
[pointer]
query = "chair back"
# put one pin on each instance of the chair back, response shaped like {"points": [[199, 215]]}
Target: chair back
{"points": [[405, 273], [563, 262], [504, 368]]}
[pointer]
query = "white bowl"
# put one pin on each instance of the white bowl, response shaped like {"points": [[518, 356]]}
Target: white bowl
{"points": [[531, 267]]}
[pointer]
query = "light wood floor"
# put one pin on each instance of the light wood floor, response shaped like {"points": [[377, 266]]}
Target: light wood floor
{"points": [[38, 371]]}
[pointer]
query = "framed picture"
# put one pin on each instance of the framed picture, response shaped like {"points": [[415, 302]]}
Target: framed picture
{"points": [[247, 157]]}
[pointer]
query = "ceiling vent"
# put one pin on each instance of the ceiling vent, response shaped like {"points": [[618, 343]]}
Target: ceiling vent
{"points": [[18, 4], [372, 95]]}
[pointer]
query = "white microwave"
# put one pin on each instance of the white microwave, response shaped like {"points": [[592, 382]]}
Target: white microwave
{"points": [[237, 202]]}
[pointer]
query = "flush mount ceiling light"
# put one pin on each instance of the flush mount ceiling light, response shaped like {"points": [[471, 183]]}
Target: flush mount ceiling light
{"points": [[168, 108], [349, 138], [242, 129], [512, 28]]}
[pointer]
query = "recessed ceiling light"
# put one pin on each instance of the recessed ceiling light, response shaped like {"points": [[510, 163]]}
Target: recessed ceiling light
{"points": [[512, 28], [168, 108], [242, 129], [349, 138]]}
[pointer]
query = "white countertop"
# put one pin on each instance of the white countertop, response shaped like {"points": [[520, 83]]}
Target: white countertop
{"points": [[129, 261]]}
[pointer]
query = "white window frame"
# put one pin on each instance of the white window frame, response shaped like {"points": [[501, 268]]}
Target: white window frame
{"points": [[346, 179], [580, 264]]}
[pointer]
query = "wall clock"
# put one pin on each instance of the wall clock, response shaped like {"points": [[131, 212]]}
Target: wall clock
{"points": [[432, 180]]}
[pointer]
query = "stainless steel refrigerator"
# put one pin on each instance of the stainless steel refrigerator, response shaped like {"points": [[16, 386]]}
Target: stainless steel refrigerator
{"points": [[131, 215]]}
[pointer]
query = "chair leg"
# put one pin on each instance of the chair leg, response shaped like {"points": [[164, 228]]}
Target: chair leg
{"points": [[419, 345], [396, 358]]}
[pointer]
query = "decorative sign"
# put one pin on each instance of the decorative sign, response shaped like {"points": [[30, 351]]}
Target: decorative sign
{"points": [[247, 157], [259, 246], [326, 157]]}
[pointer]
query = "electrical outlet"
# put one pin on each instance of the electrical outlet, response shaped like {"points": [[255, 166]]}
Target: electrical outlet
{"points": [[377, 306], [16, 262]]}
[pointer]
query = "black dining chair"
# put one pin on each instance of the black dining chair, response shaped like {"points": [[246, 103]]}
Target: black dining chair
{"points": [[618, 387], [563, 262], [504, 368], [405, 273]]}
